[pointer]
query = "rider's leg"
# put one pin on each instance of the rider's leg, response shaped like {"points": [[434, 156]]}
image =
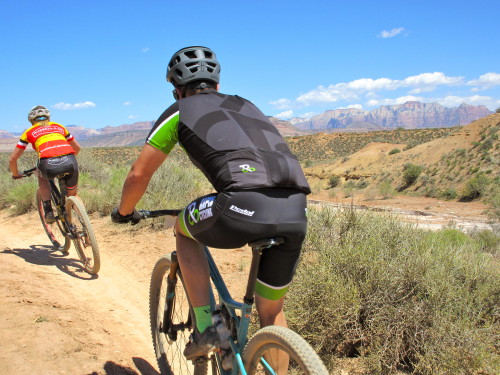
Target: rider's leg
{"points": [[194, 267], [72, 192], [44, 186], [270, 311]]}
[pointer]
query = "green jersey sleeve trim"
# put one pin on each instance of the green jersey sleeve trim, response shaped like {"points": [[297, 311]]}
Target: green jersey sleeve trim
{"points": [[165, 136]]}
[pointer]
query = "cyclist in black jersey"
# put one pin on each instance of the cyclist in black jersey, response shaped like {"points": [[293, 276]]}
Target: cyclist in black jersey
{"points": [[260, 187]]}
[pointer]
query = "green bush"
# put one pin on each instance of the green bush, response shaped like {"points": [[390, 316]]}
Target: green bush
{"points": [[333, 181], [348, 188], [488, 241], [449, 194], [394, 151], [386, 190], [474, 188], [22, 196], [399, 298], [411, 173]]}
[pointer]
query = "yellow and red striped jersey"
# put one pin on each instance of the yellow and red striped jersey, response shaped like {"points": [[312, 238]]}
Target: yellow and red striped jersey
{"points": [[48, 140]]}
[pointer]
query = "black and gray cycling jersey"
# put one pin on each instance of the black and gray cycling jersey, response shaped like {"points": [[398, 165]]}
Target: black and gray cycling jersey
{"points": [[231, 141]]}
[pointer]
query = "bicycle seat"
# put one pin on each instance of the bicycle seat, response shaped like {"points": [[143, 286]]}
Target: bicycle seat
{"points": [[266, 242]]}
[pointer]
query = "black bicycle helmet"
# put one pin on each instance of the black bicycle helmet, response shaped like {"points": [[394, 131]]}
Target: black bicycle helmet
{"points": [[38, 113], [193, 64]]}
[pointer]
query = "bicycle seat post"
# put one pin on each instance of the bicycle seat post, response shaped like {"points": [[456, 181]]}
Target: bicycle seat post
{"points": [[257, 248], [252, 276]]}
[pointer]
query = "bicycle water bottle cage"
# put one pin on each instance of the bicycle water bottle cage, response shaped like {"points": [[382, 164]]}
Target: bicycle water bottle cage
{"points": [[266, 242]]}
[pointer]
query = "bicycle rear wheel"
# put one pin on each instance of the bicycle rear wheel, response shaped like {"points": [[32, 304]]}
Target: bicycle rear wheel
{"points": [[55, 231], [85, 240], [275, 349], [172, 321]]}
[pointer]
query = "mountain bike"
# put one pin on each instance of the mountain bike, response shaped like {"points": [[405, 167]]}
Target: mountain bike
{"points": [[172, 320], [72, 224]]}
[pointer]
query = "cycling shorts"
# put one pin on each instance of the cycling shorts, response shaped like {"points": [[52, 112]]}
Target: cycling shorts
{"points": [[66, 165], [229, 220]]}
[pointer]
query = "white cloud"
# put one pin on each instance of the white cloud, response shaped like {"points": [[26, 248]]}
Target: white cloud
{"points": [[308, 115], [389, 34], [389, 101], [285, 114], [355, 106], [131, 117], [144, 50], [282, 103], [350, 91], [485, 81], [68, 106], [455, 101], [126, 104]]}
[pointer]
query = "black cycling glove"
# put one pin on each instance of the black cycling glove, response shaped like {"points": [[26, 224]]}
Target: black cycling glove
{"points": [[118, 218]]}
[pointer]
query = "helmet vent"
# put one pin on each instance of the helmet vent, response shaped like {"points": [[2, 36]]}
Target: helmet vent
{"points": [[191, 54]]}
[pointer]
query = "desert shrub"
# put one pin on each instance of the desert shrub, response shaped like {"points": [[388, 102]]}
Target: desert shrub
{"points": [[22, 196], [488, 240], [395, 296], [348, 188], [394, 151], [498, 110], [411, 173], [362, 184], [412, 143], [333, 181], [386, 190], [448, 194], [474, 188]]}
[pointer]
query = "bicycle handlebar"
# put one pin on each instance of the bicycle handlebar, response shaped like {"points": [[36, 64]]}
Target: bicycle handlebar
{"points": [[28, 172], [146, 214]]}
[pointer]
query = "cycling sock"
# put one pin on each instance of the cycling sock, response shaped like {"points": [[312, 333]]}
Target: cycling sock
{"points": [[47, 206], [203, 317]]}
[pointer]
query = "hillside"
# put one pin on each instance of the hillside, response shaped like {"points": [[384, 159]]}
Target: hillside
{"points": [[447, 162]]}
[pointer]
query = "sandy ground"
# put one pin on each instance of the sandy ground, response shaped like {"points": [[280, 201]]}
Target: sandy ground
{"points": [[56, 319]]}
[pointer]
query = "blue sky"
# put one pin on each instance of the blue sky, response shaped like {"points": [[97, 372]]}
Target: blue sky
{"points": [[103, 63]]}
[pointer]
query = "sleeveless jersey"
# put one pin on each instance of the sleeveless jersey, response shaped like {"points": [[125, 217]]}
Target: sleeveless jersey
{"points": [[231, 141], [47, 140]]}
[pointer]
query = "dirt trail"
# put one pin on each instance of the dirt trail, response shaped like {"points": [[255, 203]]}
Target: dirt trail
{"points": [[56, 319]]}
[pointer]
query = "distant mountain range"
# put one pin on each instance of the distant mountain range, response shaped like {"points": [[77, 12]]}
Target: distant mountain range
{"points": [[410, 115]]}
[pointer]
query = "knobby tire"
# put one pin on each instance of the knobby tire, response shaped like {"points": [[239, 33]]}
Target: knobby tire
{"points": [[303, 359], [55, 231], [169, 347], [85, 241]]}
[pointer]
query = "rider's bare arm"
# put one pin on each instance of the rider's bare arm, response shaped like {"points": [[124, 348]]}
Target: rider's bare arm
{"points": [[13, 161], [139, 176], [75, 145]]}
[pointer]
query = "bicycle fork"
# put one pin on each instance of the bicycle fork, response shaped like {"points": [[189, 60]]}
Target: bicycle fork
{"points": [[167, 327]]}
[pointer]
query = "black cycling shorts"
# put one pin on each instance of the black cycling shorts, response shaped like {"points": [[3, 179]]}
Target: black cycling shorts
{"points": [[230, 220], [60, 165]]}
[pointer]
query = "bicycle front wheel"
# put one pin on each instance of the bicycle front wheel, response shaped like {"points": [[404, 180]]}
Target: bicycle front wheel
{"points": [[279, 350], [84, 237], [172, 321], [55, 231]]}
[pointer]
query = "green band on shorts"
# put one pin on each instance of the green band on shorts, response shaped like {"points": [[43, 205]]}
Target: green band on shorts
{"points": [[183, 225], [268, 292]]}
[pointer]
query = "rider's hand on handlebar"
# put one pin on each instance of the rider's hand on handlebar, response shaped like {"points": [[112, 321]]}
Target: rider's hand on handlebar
{"points": [[17, 177], [118, 218]]}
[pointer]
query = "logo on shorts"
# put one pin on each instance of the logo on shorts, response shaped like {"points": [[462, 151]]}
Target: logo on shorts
{"points": [[241, 210], [245, 168], [204, 210]]}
